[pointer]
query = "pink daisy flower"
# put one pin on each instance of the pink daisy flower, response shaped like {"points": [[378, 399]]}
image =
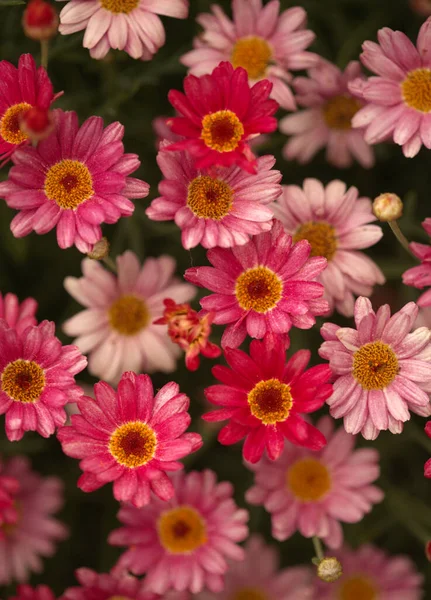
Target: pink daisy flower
{"points": [[265, 285], [117, 328], [220, 113], [22, 88], [420, 276], [312, 492], [398, 100], [9, 487], [36, 532], [427, 467], [131, 437], [183, 544], [370, 574], [76, 179], [37, 379], [336, 223], [18, 316], [263, 396], [95, 586], [215, 206], [40, 592], [327, 120], [380, 370], [129, 25]]}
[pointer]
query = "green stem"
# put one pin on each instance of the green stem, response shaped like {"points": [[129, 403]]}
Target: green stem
{"points": [[110, 264], [318, 549], [44, 52], [400, 236]]}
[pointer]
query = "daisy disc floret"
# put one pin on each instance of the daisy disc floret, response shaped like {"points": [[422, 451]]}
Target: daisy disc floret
{"points": [[381, 372], [103, 586], [17, 315], [420, 276]]}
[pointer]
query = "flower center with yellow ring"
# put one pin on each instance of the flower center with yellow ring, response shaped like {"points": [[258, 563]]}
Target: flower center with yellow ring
{"points": [[119, 6], [258, 289], [222, 131], [209, 198], [23, 381], [375, 366], [270, 401], [308, 480], [10, 129], [181, 530], [357, 587], [68, 183], [252, 54], [133, 444], [416, 90], [321, 236], [249, 593], [339, 111], [128, 315]]}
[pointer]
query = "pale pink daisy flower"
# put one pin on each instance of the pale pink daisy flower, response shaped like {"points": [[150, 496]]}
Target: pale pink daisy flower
{"points": [[74, 180], [36, 532], [130, 25], [420, 276], [265, 285], [104, 586], [398, 100], [40, 592], [380, 370], [267, 44], [327, 120], [18, 316], [313, 492], [336, 223], [117, 328], [183, 544], [217, 206]]}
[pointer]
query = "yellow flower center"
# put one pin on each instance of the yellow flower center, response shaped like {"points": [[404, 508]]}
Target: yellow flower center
{"points": [[357, 587], [375, 365], [252, 54], [23, 381], [258, 289], [128, 315], [270, 401], [339, 111], [209, 198], [222, 130], [68, 183], [181, 530], [308, 479], [133, 444], [416, 90], [321, 237], [249, 593], [119, 6], [10, 129]]}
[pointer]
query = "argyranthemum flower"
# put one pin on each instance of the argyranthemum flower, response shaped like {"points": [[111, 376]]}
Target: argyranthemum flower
{"points": [[22, 88], [420, 276], [336, 223], [76, 179], [215, 206], [40, 592], [326, 121], [131, 437], [380, 370], [183, 544], [129, 25], [262, 41], [37, 379], [220, 113], [35, 533], [117, 329], [9, 487], [398, 100], [312, 492], [18, 316], [370, 574], [265, 285], [427, 467], [263, 396], [103, 586]]}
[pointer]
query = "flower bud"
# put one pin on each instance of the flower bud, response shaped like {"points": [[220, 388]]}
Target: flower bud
{"points": [[100, 250], [388, 207], [40, 20], [37, 123], [428, 550], [329, 569]]}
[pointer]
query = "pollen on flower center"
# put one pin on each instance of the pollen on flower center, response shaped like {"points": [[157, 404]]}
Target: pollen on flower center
{"points": [[308, 479], [321, 236], [339, 111], [375, 365], [222, 131], [416, 90], [258, 289], [270, 401], [23, 381], [209, 198], [252, 54], [119, 6], [249, 593], [10, 129], [357, 587], [133, 444], [68, 183], [181, 530], [128, 315]]}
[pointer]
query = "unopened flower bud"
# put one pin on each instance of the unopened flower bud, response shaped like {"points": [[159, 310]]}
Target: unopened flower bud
{"points": [[388, 207], [40, 20], [37, 123], [329, 569], [100, 250]]}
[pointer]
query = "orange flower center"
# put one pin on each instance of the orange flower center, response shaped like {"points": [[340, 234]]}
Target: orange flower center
{"points": [[270, 401], [128, 315], [339, 111], [321, 237], [375, 365], [10, 129], [181, 530], [23, 381], [249, 593], [119, 6], [68, 183], [416, 90], [222, 130], [258, 289], [308, 479], [252, 54], [133, 444], [209, 198], [357, 587]]}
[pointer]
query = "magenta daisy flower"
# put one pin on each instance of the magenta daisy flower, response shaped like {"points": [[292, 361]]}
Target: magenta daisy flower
{"points": [[37, 379], [312, 492], [420, 277], [336, 223], [40, 592], [35, 533], [183, 544], [95, 586], [263, 396], [18, 316], [220, 113], [265, 285], [129, 25], [266, 43], [215, 206], [22, 88], [381, 371], [327, 120], [398, 100], [74, 180], [117, 328], [9, 487]]}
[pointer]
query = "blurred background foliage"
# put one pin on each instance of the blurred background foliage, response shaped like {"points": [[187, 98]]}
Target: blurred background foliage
{"points": [[135, 92]]}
